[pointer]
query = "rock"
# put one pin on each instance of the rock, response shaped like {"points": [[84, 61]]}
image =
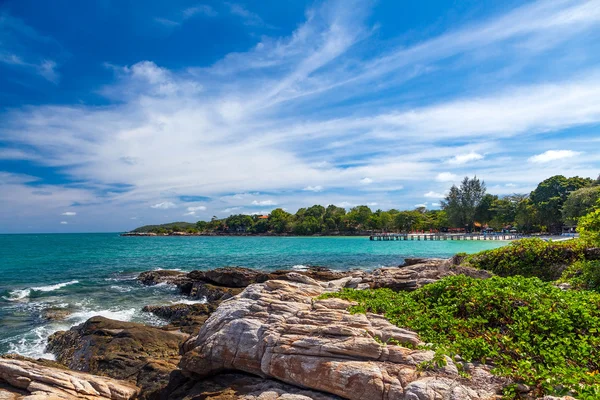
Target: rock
{"points": [[170, 277], [233, 277], [29, 380], [420, 260], [186, 317], [55, 313], [123, 350], [238, 387], [415, 276], [212, 293], [279, 330]]}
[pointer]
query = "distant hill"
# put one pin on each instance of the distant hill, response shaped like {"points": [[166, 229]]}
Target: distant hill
{"points": [[170, 227]]}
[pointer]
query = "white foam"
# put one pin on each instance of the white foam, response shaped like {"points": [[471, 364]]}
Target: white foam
{"points": [[21, 294], [119, 315], [187, 301], [121, 289], [51, 288], [34, 343], [168, 269], [300, 267]]}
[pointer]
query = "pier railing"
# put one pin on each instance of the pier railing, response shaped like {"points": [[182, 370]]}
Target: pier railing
{"points": [[443, 236]]}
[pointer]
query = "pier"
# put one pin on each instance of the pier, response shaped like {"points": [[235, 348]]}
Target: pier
{"points": [[442, 236]]}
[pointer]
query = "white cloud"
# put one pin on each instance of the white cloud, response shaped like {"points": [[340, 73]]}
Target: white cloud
{"points": [[421, 205], [165, 205], [193, 209], [69, 213], [465, 158], [366, 181], [63, 222], [446, 177], [197, 208], [317, 188], [434, 195], [264, 203], [435, 204], [371, 204], [553, 155], [231, 209]]}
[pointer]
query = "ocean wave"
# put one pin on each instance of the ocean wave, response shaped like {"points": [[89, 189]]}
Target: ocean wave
{"points": [[187, 301], [21, 294], [33, 343], [300, 267], [121, 289], [116, 314]]}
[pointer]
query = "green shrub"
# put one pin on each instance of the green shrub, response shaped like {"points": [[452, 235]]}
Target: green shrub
{"points": [[584, 275], [589, 227], [529, 258], [527, 329]]}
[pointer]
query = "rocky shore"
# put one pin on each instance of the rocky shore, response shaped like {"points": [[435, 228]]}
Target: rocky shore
{"points": [[255, 335]]}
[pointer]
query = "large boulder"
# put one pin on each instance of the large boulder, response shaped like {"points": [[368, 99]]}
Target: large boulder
{"points": [[30, 380], [140, 354], [280, 330]]}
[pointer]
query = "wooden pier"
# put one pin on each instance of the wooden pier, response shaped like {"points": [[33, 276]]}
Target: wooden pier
{"points": [[441, 236]]}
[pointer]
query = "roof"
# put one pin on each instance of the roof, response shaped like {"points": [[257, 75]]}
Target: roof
{"points": [[263, 217]]}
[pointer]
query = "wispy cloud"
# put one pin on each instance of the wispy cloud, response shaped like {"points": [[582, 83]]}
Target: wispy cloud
{"points": [[465, 158], [434, 195], [247, 16], [165, 205], [446, 177], [182, 16], [69, 213], [264, 203], [317, 188], [14, 32]]}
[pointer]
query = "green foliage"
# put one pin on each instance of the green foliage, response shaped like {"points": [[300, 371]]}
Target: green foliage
{"points": [[527, 329], [462, 202], [589, 227], [529, 258], [583, 275], [550, 195], [579, 203]]}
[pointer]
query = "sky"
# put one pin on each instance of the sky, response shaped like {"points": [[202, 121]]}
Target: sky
{"points": [[116, 114]]}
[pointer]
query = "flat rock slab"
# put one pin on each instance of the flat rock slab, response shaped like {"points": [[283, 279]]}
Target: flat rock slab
{"points": [[279, 330], [29, 380]]}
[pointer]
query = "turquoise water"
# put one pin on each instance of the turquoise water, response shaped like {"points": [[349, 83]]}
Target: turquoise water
{"points": [[94, 274]]}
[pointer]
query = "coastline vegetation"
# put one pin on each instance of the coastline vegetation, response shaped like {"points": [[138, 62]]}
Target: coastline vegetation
{"points": [[555, 201], [527, 329]]}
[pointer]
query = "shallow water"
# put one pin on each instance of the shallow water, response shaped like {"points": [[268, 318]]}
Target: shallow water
{"points": [[94, 274]]}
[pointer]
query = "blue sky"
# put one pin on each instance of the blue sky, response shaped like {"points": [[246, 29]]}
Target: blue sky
{"points": [[115, 114]]}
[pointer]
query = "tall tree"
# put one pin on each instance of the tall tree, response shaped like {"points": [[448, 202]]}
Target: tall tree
{"points": [[462, 202], [550, 195], [579, 203]]}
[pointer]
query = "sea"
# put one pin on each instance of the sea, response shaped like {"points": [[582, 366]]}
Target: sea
{"points": [[95, 274]]}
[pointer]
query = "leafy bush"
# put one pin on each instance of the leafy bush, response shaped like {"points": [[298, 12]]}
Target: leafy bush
{"points": [[589, 227], [527, 329], [584, 275], [529, 258]]}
